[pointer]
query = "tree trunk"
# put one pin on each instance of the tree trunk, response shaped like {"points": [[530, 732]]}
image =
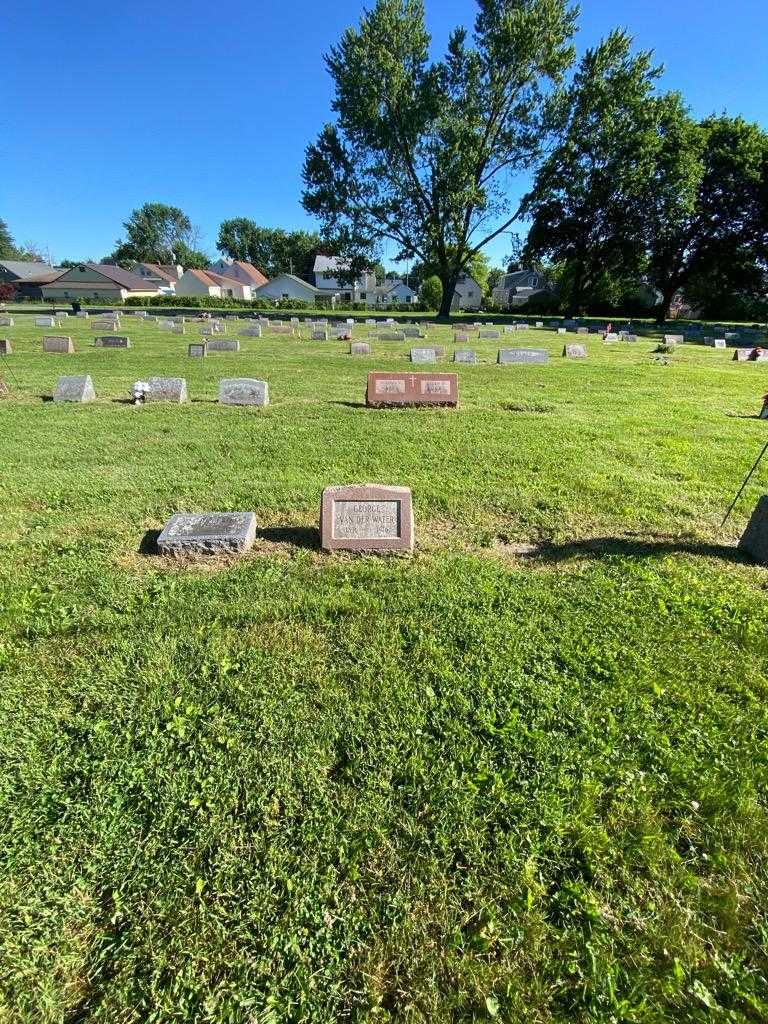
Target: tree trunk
{"points": [[667, 295], [448, 280]]}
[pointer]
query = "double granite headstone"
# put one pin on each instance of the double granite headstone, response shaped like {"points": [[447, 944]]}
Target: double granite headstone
{"points": [[398, 389], [523, 355]]}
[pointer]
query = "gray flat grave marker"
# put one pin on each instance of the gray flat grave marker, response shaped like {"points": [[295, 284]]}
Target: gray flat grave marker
{"points": [[423, 355], [366, 517], [489, 334], [523, 355], [412, 332], [6, 321], [243, 391], [674, 339], [74, 389], [392, 336], [223, 345], [575, 352], [359, 348], [251, 332], [197, 350], [207, 533], [178, 329], [167, 389], [57, 343], [319, 334], [112, 341], [464, 355], [45, 321]]}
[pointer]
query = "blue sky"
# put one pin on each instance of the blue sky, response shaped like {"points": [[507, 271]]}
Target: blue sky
{"points": [[210, 108]]}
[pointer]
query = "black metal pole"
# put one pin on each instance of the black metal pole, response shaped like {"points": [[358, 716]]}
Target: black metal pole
{"points": [[746, 481]]}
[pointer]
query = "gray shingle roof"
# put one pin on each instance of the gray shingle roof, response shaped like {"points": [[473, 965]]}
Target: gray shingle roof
{"points": [[26, 268]]}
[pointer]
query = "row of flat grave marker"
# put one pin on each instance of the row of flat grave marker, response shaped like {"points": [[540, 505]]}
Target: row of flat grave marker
{"points": [[232, 391], [359, 518]]}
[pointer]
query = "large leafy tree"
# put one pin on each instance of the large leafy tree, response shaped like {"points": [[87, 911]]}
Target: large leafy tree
{"points": [[421, 153], [707, 219], [157, 233], [589, 200], [272, 250]]}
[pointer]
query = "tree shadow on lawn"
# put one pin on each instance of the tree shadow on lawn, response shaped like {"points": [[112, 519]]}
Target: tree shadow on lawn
{"points": [[350, 405], [606, 547]]}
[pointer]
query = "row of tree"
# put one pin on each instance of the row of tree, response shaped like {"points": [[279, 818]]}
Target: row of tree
{"points": [[627, 186]]}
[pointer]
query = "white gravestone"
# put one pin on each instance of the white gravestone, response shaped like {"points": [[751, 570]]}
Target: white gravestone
{"points": [[243, 391], [74, 389]]}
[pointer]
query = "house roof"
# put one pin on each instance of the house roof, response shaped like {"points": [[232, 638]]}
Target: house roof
{"points": [[223, 281], [131, 282], [396, 284], [206, 277], [24, 269], [164, 273], [116, 275], [292, 277], [52, 275], [326, 263], [256, 276]]}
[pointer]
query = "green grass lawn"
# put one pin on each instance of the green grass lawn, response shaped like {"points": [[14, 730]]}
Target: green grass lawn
{"points": [[519, 777]]}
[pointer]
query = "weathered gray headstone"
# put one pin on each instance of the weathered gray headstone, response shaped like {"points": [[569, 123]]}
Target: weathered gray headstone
{"points": [[392, 336], [6, 321], [523, 355], [243, 391], [178, 329], [112, 341], [754, 540], [223, 345], [582, 330], [251, 332], [464, 355], [5, 347], [207, 533], [74, 389], [167, 389], [57, 343], [45, 321], [423, 355], [82, 314], [489, 334], [742, 355], [575, 351], [198, 350], [359, 348], [319, 334], [366, 517], [412, 332]]}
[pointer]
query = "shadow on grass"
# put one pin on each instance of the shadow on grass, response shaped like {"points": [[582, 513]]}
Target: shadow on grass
{"points": [[45, 398], [605, 547], [350, 405], [148, 544], [742, 416], [298, 536]]}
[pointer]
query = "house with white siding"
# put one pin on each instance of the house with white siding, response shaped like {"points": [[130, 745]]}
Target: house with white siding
{"points": [[287, 286], [468, 294], [395, 293], [101, 281], [207, 282], [239, 270], [326, 271]]}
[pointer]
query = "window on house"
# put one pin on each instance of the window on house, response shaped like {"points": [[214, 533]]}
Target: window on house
{"points": [[347, 297], [362, 295], [286, 295]]}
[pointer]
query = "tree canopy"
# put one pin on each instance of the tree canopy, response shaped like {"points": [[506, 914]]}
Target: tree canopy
{"points": [[420, 152], [706, 227], [272, 250], [590, 197], [157, 233]]}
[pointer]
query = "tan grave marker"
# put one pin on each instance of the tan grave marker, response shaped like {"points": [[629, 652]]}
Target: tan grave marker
{"points": [[366, 517]]}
